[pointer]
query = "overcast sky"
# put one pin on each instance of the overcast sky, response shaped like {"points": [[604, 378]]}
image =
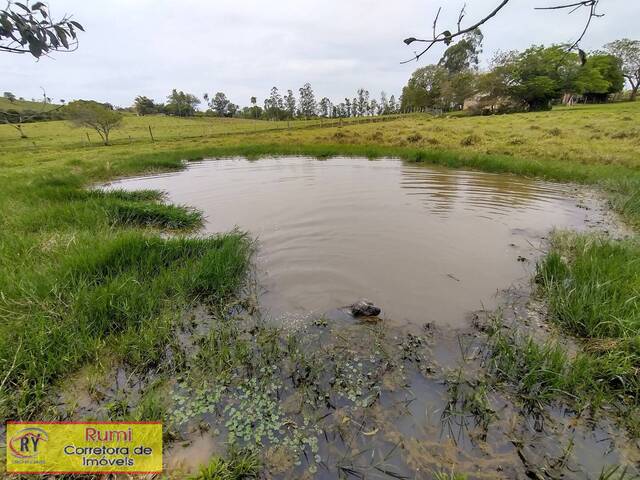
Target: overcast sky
{"points": [[243, 48]]}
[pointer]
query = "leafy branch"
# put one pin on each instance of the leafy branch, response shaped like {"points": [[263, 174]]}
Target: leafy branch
{"points": [[30, 29]]}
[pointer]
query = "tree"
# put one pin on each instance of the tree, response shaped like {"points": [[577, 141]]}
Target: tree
{"points": [[347, 107], [232, 109], [599, 77], [9, 96], [325, 107], [144, 105], [181, 104], [537, 76], [393, 107], [290, 104], [384, 104], [628, 51], [463, 55], [424, 89], [374, 108], [361, 102], [90, 114], [219, 104], [307, 102], [25, 29], [274, 105], [457, 88]]}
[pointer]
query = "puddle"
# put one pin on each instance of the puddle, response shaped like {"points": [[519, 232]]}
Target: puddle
{"points": [[428, 245], [324, 396]]}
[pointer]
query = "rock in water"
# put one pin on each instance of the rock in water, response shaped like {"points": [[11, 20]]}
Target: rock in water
{"points": [[364, 308]]}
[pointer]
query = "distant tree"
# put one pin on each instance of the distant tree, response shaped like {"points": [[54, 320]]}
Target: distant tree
{"points": [[463, 55], [25, 29], [393, 107], [347, 107], [457, 88], [628, 51], [255, 110], [219, 104], [290, 104], [181, 104], [325, 107], [424, 89], [274, 105], [361, 103], [599, 77], [9, 96], [90, 114], [232, 109], [383, 106], [144, 105], [538, 75], [307, 102], [374, 108]]}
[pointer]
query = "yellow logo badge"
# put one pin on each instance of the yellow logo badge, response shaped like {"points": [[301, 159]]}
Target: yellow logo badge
{"points": [[84, 447]]}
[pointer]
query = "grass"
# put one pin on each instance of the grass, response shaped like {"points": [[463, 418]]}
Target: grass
{"points": [[239, 465], [20, 105], [87, 274]]}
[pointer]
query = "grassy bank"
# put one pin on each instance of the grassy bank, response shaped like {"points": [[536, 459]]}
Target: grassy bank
{"points": [[86, 275]]}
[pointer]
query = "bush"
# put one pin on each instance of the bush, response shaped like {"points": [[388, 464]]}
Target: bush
{"points": [[470, 140]]}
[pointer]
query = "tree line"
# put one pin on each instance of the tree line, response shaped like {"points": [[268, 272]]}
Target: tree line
{"points": [[275, 107], [529, 80]]}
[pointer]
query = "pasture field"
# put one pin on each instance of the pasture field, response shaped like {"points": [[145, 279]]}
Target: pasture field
{"points": [[21, 105], [87, 278]]}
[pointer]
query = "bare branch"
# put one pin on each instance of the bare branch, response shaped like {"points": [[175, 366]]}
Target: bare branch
{"points": [[447, 37]]}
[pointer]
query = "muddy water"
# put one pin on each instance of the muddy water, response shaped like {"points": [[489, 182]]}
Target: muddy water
{"points": [[403, 398], [426, 244]]}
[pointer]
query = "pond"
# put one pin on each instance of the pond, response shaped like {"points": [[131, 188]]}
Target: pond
{"points": [[425, 244], [407, 397]]}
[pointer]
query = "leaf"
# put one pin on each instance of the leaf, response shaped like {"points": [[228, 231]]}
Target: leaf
{"points": [[77, 25], [409, 40], [24, 7], [35, 48], [37, 6], [62, 35]]}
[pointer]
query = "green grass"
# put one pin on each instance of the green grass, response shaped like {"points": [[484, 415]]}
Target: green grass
{"points": [[85, 273], [21, 105], [240, 465], [593, 285]]}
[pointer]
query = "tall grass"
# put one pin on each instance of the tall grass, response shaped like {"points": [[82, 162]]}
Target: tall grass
{"points": [[80, 274], [592, 284]]}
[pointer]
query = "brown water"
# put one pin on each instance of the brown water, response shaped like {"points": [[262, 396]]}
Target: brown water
{"points": [[425, 244], [378, 400]]}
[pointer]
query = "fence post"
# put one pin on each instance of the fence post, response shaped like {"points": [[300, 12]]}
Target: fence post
{"points": [[88, 139], [151, 134]]}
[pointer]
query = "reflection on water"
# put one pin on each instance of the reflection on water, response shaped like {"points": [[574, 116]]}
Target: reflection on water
{"points": [[426, 244]]}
